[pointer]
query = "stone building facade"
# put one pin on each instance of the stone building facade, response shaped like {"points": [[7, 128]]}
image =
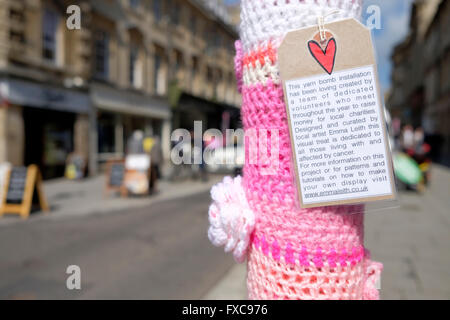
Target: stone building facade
{"points": [[147, 65], [420, 93]]}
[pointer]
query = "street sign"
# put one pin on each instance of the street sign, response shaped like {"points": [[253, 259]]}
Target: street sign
{"points": [[23, 187]]}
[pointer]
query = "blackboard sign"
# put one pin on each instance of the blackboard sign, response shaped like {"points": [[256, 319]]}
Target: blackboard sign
{"points": [[16, 185], [22, 184], [117, 174]]}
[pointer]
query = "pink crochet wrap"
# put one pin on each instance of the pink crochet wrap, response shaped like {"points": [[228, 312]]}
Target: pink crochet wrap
{"points": [[291, 253]]}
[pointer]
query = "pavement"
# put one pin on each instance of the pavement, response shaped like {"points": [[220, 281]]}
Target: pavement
{"points": [[232, 286], [68, 198], [413, 242]]}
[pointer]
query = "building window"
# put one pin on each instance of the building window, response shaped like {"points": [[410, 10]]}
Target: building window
{"points": [[445, 73], [219, 82], [133, 63], [101, 55], [135, 71], [178, 61], [156, 73], [210, 38], [231, 79], [157, 9], [231, 48], [209, 75], [135, 3], [218, 40], [195, 67], [49, 30], [176, 13], [193, 24], [106, 133], [15, 36]]}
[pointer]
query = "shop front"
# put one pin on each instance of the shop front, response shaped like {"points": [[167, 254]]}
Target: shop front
{"points": [[119, 113], [49, 140], [43, 124], [212, 114]]}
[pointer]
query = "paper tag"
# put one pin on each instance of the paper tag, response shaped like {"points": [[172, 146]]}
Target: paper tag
{"points": [[335, 114]]}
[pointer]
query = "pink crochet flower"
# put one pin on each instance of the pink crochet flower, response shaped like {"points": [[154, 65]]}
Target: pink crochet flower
{"points": [[231, 219]]}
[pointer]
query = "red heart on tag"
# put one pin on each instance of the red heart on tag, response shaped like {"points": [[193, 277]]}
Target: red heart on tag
{"points": [[325, 57]]}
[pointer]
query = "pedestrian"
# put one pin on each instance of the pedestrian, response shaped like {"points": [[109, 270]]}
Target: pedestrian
{"points": [[292, 253], [202, 165], [396, 132], [135, 143], [153, 147], [419, 139], [407, 138]]}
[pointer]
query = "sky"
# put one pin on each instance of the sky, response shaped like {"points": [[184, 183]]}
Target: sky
{"points": [[395, 16], [394, 28]]}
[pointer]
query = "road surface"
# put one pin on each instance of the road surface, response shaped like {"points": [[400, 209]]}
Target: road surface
{"points": [[156, 252]]}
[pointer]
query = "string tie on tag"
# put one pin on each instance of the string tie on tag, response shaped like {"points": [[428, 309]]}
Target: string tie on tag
{"points": [[321, 24]]}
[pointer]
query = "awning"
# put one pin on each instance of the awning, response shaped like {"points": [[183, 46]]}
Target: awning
{"points": [[110, 99], [31, 94]]}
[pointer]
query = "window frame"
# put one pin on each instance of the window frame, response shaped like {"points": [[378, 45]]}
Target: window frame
{"points": [[102, 73], [50, 22]]}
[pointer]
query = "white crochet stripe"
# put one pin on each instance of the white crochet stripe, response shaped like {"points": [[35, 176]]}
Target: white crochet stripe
{"points": [[266, 20], [260, 74]]}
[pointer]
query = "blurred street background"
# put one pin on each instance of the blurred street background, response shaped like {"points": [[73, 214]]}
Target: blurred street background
{"points": [[92, 105]]}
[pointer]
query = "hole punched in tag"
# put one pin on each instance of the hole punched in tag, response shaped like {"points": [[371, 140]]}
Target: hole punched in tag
{"points": [[323, 47], [323, 36]]}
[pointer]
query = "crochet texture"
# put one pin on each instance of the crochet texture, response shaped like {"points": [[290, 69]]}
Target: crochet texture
{"points": [[292, 253]]}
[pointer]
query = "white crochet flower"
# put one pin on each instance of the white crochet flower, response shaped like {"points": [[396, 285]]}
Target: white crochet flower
{"points": [[232, 221]]}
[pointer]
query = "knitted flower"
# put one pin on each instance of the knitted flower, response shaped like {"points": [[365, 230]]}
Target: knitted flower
{"points": [[231, 219]]}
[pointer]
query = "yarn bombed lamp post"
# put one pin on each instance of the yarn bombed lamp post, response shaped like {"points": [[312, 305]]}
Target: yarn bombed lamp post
{"points": [[291, 253]]}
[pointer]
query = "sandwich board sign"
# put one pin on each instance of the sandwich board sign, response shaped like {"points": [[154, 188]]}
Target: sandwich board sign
{"points": [[115, 177], [23, 188]]}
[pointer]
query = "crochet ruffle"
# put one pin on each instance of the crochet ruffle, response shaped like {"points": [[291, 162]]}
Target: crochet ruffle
{"points": [[231, 219]]}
